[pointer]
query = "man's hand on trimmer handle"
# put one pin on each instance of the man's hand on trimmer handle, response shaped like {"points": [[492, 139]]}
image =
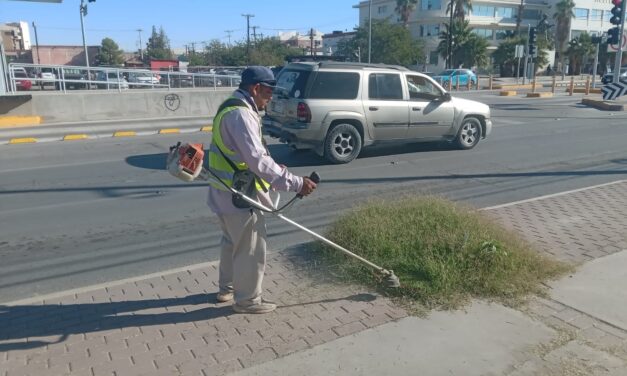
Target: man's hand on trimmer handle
{"points": [[309, 184]]}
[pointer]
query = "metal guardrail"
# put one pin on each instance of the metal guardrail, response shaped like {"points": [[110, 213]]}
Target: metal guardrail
{"points": [[68, 77]]}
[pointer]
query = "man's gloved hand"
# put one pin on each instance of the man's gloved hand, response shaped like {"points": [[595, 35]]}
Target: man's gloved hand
{"points": [[308, 186]]}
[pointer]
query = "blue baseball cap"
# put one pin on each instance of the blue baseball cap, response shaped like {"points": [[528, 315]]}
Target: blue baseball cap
{"points": [[258, 75]]}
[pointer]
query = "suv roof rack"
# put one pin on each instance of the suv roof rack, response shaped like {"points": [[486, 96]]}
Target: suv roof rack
{"points": [[354, 65]]}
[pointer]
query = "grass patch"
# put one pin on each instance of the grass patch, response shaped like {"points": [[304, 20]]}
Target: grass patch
{"points": [[444, 253]]}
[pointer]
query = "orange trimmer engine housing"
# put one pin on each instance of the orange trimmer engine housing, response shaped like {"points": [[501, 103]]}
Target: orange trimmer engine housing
{"points": [[185, 161]]}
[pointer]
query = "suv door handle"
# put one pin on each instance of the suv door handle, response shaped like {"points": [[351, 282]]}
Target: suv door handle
{"points": [[416, 108], [373, 108]]}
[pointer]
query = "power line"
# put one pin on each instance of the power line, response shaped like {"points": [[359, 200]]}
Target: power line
{"points": [[248, 16]]}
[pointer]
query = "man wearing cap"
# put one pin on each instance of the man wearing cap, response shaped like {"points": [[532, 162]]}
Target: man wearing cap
{"points": [[237, 144]]}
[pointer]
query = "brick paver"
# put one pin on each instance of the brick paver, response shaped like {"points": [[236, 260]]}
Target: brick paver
{"points": [[171, 325]]}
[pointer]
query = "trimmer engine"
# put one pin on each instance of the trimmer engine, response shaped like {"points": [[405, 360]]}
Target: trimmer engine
{"points": [[185, 161]]}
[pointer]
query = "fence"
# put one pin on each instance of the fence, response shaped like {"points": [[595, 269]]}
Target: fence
{"points": [[63, 78]]}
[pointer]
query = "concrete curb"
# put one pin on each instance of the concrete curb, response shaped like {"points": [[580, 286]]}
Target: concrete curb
{"points": [[604, 105]]}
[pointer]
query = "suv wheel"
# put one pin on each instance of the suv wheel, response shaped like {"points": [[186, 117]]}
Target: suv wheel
{"points": [[469, 133], [343, 144]]}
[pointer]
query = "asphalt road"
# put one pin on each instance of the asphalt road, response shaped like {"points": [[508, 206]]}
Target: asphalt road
{"points": [[78, 213]]}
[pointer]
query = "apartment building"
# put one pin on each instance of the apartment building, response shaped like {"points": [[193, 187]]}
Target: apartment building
{"points": [[491, 19]]}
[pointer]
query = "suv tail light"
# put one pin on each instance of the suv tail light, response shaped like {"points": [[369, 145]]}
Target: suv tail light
{"points": [[303, 113]]}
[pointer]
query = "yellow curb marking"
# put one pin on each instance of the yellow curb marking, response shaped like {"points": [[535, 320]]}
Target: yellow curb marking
{"points": [[208, 128], [539, 95], [124, 134], [169, 130], [25, 140], [508, 93], [19, 121], [71, 137]]}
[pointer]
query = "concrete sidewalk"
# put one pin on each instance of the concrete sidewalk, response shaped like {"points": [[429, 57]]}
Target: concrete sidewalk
{"points": [[168, 324]]}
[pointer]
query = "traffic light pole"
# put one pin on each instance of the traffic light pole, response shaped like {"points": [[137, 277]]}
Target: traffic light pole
{"points": [[619, 52]]}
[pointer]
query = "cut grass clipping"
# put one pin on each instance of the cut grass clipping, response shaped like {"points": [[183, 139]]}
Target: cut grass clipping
{"points": [[444, 253]]}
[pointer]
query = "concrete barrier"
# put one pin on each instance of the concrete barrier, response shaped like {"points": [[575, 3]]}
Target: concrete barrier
{"points": [[85, 106]]}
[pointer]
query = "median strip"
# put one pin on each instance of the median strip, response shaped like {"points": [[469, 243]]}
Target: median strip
{"points": [[125, 134], [207, 128], [25, 140], [169, 130], [19, 121], [71, 137]]}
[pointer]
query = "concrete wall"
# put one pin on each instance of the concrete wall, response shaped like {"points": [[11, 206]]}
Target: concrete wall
{"points": [[81, 106]]}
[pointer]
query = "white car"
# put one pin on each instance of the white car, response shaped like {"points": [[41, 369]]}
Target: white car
{"points": [[46, 77], [143, 79], [110, 80]]}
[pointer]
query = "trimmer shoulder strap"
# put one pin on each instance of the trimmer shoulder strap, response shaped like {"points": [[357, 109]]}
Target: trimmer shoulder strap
{"points": [[232, 102]]}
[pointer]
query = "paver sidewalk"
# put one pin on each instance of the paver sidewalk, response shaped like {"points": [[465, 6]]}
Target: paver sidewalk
{"points": [[169, 325]]}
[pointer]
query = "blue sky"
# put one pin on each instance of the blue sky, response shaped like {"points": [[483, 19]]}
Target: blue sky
{"points": [[184, 21]]}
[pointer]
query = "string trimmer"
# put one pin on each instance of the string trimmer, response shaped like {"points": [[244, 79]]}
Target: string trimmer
{"points": [[185, 161]]}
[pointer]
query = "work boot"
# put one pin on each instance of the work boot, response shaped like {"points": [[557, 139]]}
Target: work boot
{"points": [[223, 297], [263, 307]]}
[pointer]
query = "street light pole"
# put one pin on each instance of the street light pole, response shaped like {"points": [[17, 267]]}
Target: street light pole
{"points": [[369, 30], [83, 11]]}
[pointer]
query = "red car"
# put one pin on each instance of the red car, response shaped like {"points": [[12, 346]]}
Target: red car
{"points": [[21, 80]]}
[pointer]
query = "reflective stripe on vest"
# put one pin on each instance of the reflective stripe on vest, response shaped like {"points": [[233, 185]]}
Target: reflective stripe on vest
{"points": [[218, 164]]}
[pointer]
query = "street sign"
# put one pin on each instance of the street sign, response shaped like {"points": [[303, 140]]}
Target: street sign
{"points": [[614, 47], [614, 90], [520, 51]]}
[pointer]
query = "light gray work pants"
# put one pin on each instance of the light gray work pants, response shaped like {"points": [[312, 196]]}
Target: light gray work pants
{"points": [[243, 257]]}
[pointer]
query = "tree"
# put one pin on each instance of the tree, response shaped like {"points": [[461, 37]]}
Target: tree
{"points": [[564, 12], [467, 48], [110, 53], [578, 51], [459, 8], [504, 55], [391, 44], [404, 8], [158, 46]]}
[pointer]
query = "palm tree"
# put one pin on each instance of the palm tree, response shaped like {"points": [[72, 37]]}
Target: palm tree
{"points": [[404, 8], [563, 15], [459, 8], [578, 50], [461, 38]]}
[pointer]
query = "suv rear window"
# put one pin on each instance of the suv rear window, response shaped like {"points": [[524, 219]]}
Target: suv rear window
{"points": [[334, 85], [291, 82]]}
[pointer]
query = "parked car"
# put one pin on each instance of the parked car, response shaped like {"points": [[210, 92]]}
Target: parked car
{"points": [[336, 108], [609, 77], [143, 79], [21, 79], [73, 78], [111, 80], [47, 77], [455, 76], [177, 79]]}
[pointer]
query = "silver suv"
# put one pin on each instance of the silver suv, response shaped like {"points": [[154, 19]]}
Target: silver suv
{"points": [[337, 108]]}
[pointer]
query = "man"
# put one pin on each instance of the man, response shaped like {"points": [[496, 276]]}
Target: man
{"points": [[237, 145]]}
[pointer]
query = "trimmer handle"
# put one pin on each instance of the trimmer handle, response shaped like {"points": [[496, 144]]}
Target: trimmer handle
{"points": [[315, 178]]}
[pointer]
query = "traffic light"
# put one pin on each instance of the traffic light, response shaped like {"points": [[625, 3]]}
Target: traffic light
{"points": [[532, 41], [612, 36], [617, 12]]}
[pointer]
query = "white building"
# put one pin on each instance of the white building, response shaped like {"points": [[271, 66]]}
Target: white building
{"points": [[303, 41], [331, 40], [492, 19]]}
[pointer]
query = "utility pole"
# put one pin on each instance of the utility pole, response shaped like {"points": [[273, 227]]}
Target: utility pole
{"points": [[311, 40], [254, 34], [369, 30], [36, 43], [248, 16], [229, 32], [619, 53], [83, 12], [450, 37], [141, 51]]}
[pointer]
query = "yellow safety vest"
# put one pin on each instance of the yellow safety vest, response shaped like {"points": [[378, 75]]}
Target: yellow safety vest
{"points": [[218, 163]]}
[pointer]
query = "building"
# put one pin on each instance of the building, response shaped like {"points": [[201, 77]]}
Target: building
{"points": [[330, 41], [303, 41], [64, 55], [491, 19], [15, 38]]}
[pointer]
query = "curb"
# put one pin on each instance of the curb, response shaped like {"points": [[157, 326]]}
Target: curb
{"points": [[19, 121], [539, 95], [507, 93], [604, 105]]}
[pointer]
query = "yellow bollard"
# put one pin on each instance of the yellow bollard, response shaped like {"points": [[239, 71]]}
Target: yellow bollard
{"points": [[468, 84], [572, 85], [490, 83], [450, 85], [457, 84], [553, 84], [588, 86]]}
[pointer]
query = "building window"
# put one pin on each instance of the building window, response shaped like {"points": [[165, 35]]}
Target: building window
{"points": [[485, 33], [433, 57], [431, 4], [607, 15], [581, 14], [382, 9], [596, 15], [429, 30], [483, 10], [505, 12], [531, 14]]}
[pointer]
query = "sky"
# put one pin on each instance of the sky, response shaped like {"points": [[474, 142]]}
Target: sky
{"points": [[184, 21]]}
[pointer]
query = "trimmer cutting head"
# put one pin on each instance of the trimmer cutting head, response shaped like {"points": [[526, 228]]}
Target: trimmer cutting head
{"points": [[390, 279]]}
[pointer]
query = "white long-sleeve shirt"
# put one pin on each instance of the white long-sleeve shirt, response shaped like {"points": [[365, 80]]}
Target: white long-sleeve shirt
{"points": [[241, 132]]}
